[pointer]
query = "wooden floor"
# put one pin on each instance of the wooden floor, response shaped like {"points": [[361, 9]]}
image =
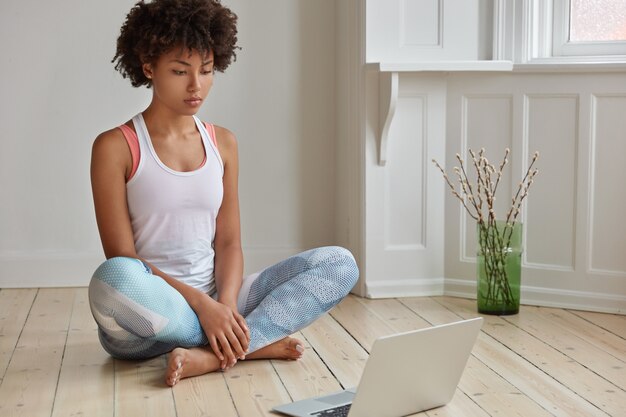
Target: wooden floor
{"points": [[542, 362]]}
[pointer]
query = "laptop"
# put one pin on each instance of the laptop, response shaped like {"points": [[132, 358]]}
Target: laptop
{"points": [[405, 373]]}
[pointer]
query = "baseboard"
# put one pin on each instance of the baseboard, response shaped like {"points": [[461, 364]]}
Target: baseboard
{"points": [[549, 297], [404, 288], [75, 270]]}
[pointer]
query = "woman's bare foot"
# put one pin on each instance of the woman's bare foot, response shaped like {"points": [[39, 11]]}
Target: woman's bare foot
{"points": [[183, 363], [287, 348]]}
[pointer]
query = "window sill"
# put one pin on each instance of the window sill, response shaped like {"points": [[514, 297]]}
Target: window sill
{"points": [[441, 66], [573, 64]]}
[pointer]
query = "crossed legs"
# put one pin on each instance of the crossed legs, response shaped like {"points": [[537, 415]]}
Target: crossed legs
{"points": [[140, 316]]}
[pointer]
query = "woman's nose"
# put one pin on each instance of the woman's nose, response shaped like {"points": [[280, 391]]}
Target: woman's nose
{"points": [[194, 83]]}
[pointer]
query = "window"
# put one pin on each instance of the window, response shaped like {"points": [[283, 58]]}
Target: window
{"points": [[561, 32], [589, 27]]}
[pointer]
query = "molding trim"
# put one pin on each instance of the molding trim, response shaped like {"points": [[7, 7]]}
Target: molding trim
{"points": [[64, 271], [404, 288], [387, 101], [502, 31], [548, 297]]}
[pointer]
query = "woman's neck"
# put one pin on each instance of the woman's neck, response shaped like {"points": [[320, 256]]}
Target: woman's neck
{"points": [[166, 123]]}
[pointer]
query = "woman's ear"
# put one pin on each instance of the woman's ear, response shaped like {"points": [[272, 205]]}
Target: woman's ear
{"points": [[147, 70]]}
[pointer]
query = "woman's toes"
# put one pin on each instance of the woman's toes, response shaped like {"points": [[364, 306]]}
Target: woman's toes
{"points": [[175, 366], [297, 345]]}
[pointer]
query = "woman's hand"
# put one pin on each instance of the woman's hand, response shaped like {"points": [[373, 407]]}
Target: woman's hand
{"points": [[226, 330]]}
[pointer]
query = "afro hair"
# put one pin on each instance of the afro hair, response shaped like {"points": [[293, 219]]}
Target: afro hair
{"points": [[152, 29]]}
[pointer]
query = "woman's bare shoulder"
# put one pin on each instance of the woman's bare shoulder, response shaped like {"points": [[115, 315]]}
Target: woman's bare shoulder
{"points": [[111, 146], [225, 136], [110, 138], [226, 143]]}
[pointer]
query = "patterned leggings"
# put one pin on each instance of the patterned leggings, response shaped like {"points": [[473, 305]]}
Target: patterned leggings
{"points": [[140, 316]]}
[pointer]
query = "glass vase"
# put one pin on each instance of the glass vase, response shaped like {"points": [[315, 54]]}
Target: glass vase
{"points": [[499, 267]]}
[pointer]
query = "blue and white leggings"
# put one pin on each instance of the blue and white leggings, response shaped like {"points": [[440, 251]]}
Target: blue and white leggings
{"points": [[140, 316]]}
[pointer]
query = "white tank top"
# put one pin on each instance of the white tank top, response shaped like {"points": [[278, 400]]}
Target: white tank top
{"points": [[173, 213]]}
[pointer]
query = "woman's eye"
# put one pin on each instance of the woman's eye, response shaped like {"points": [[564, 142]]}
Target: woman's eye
{"points": [[207, 72], [176, 72]]}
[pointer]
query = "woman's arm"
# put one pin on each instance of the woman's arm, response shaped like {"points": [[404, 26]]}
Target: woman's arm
{"points": [[228, 253], [110, 166]]}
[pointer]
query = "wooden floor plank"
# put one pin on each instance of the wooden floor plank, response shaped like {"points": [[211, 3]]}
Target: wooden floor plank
{"points": [[544, 361], [535, 322], [86, 382], [495, 394], [361, 323], [204, 396], [429, 309], [140, 389], [255, 388], [342, 354], [549, 393], [398, 316], [585, 383], [307, 377], [604, 339], [461, 405], [14, 307], [614, 323], [29, 385]]}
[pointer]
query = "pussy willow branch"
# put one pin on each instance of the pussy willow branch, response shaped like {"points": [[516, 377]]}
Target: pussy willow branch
{"points": [[502, 165], [454, 192], [470, 195], [485, 192], [522, 190]]}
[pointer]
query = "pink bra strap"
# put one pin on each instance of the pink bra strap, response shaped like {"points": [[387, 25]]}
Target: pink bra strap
{"points": [[133, 144], [211, 129]]}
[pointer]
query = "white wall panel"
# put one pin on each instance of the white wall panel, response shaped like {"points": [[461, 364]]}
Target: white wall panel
{"points": [[487, 123], [424, 30], [573, 218], [404, 210], [608, 198], [551, 126], [403, 232], [421, 23]]}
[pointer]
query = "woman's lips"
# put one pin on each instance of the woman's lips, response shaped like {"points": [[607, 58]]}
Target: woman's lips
{"points": [[194, 101]]}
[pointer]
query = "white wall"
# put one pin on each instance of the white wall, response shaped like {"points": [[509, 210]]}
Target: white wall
{"points": [[59, 90], [279, 99]]}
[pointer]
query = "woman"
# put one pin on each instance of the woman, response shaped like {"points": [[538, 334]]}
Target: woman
{"points": [[166, 200]]}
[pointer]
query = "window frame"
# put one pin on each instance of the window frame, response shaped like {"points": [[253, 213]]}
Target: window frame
{"points": [[525, 32], [562, 46]]}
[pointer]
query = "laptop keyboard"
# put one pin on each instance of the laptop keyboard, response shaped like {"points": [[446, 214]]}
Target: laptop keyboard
{"points": [[341, 411]]}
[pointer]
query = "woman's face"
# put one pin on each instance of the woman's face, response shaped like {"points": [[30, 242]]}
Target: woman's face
{"points": [[181, 79]]}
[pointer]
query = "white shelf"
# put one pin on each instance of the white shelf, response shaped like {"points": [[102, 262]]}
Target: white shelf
{"points": [[442, 66]]}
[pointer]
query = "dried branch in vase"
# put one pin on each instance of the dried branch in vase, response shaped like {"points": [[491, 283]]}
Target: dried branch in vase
{"points": [[494, 237], [481, 196]]}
